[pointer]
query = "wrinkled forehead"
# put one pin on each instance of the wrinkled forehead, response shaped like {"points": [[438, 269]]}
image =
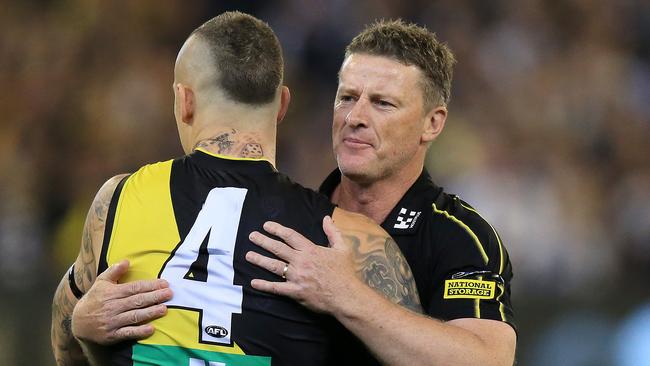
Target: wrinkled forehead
{"points": [[360, 71]]}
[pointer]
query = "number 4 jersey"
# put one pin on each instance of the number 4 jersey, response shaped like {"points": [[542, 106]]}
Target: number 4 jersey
{"points": [[187, 220]]}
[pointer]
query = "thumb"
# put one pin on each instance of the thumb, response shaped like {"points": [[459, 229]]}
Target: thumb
{"points": [[333, 233], [115, 272]]}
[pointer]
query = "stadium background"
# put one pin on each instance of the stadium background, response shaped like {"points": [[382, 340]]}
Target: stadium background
{"points": [[548, 136]]}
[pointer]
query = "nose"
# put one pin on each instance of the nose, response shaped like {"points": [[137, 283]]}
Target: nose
{"points": [[357, 116]]}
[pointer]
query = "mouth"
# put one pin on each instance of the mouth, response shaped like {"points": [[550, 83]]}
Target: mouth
{"points": [[356, 143]]}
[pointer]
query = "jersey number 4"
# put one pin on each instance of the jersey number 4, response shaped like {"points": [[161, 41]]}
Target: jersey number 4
{"points": [[200, 270]]}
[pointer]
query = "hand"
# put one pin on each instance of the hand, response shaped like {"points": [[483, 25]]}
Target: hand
{"points": [[112, 312], [318, 277]]}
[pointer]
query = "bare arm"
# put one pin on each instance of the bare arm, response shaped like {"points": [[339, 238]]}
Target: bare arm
{"points": [[394, 334], [67, 350], [399, 337]]}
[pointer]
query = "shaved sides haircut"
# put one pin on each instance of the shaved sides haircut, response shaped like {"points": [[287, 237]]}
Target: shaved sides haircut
{"points": [[247, 56]]}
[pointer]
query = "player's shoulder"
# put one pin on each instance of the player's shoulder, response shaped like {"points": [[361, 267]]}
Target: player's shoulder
{"points": [[108, 188], [114, 186], [460, 215], [153, 169], [464, 228], [304, 194]]}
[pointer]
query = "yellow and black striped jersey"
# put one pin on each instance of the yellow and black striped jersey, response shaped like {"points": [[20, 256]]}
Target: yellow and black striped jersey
{"points": [[460, 265], [187, 220]]}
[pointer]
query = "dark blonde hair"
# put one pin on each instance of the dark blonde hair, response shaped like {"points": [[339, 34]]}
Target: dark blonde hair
{"points": [[410, 44]]}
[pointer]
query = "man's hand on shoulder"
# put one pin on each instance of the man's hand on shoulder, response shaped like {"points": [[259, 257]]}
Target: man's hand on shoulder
{"points": [[316, 276], [111, 312], [328, 279]]}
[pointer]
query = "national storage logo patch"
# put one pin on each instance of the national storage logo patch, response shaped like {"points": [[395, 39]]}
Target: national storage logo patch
{"points": [[469, 289]]}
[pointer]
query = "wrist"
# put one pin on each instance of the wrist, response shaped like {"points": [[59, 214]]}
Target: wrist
{"points": [[351, 302]]}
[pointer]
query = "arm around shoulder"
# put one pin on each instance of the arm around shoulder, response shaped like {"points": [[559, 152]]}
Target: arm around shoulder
{"points": [[400, 337]]}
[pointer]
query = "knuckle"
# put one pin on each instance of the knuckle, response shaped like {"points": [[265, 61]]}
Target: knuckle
{"points": [[157, 297], [126, 333], [275, 289], [275, 249], [157, 311], [290, 234], [138, 301], [280, 231], [254, 258], [134, 318], [134, 287]]}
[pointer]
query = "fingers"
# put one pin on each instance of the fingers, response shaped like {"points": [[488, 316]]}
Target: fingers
{"points": [[140, 287], [272, 265], [134, 332], [333, 233], [143, 300], [278, 248], [277, 288], [138, 316], [115, 272], [293, 238]]}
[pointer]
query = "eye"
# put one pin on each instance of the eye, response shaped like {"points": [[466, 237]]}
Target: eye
{"points": [[385, 103], [346, 98]]}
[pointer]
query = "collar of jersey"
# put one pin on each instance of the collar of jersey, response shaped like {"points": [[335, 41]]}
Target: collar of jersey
{"points": [[418, 197], [228, 157]]}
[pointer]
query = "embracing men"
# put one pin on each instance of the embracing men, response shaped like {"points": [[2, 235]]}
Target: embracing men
{"points": [[391, 103]]}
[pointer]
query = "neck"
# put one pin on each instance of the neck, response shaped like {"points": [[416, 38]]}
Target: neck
{"points": [[236, 143], [376, 199], [235, 130]]}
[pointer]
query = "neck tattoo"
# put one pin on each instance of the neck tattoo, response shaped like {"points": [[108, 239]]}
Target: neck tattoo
{"points": [[229, 143]]}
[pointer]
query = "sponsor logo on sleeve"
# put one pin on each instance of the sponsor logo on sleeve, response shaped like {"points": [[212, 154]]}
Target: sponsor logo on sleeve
{"points": [[469, 289]]}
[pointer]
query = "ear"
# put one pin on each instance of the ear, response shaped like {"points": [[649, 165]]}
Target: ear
{"points": [[187, 103], [285, 98], [434, 123]]}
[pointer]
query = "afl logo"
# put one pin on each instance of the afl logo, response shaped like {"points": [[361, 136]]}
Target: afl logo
{"points": [[216, 331]]}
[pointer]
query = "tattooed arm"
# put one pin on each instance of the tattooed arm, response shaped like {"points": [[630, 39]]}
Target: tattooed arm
{"points": [[361, 254], [359, 279], [399, 337], [67, 350]]}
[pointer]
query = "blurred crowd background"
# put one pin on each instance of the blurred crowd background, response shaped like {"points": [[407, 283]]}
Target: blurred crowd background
{"points": [[548, 136]]}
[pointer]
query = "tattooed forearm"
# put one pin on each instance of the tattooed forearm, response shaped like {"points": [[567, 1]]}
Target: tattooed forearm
{"points": [[66, 349], [383, 267]]}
